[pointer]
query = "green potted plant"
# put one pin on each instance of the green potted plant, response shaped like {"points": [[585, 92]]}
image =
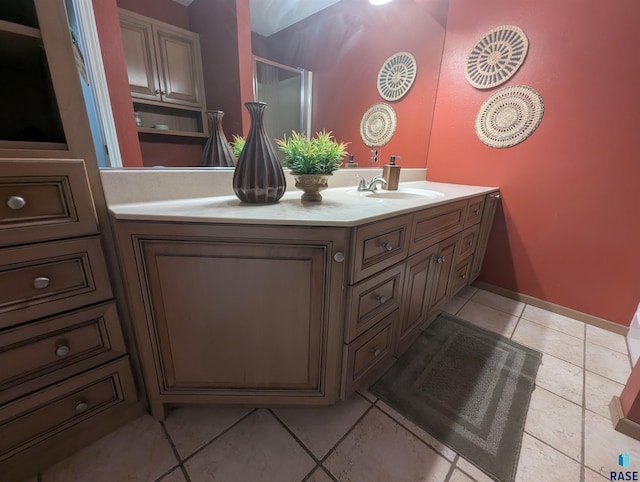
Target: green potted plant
{"points": [[312, 161], [237, 144]]}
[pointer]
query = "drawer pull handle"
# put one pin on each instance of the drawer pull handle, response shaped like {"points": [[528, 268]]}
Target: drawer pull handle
{"points": [[375, 352], [339, 257], [16, 202], [381, 299], [387, 245], [41, 282], [81, 407], [62, 350]]}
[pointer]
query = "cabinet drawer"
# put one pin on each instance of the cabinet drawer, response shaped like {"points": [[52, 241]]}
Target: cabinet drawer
{"points": [[460, 275], [379, 245], [45, 352], [469, 241], [369, 355], [372, 299], [44, 200], [30, 419], [474, 211], [47, 278], [433, 225]]}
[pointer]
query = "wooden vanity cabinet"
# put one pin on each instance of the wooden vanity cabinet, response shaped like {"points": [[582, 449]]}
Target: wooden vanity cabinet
{"points": [[488, 214], [65, 358], [236, 314]]}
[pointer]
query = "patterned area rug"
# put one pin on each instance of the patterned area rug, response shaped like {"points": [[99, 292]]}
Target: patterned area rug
{"points": [[469, 388]]}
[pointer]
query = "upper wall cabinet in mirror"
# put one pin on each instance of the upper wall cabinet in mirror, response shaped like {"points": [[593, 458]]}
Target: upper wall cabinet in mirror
{"points": [[344, 45], [164, 67]]}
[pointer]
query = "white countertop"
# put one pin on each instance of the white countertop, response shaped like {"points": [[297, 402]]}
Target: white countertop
{"points": [[339, 206]]}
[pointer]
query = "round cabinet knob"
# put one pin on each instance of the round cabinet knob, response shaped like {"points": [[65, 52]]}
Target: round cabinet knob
{"points": [[163, 92], [62, 349], [476, 212], [381, 299], [81, 407], [16, 202], [470, 243], [339, 257], [41, 282], [496, 196], [375, 352], [157, 91], [387, 245], [440, 259]]}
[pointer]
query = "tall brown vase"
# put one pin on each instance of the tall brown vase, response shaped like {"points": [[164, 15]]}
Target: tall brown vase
{"points": [[259, 177], [217, 152]]}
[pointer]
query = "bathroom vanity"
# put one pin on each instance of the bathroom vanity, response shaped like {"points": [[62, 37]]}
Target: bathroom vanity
{"points": [[288, 304]]}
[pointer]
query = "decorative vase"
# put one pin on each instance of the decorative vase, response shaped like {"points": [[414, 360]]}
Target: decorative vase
{"points": [[311, 184], [217, 152], [259, 177]]}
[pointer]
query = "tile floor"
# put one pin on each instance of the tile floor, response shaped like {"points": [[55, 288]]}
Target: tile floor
{"points": [[568, 434]]}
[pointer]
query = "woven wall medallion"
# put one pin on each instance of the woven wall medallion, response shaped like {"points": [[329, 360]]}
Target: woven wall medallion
{"points": [[496, 57], [378, 124], [396, 76], [509, 116]]}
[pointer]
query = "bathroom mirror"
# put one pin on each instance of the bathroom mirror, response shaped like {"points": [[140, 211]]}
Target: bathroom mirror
{"points": [[344, 46]]}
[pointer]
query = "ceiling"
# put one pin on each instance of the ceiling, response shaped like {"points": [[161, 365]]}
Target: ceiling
{"points": [[271, 16]]}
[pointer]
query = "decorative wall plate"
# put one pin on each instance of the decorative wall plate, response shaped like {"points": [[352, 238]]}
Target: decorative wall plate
{"points": [[378, 124], [496, 57], [509, 116], [396, 76]]}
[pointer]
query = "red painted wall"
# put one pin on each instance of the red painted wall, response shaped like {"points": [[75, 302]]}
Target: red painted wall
{"points": [[108, 26], [345, 46], [568, 228]]}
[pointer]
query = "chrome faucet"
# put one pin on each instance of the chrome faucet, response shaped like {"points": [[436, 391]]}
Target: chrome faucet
{"points": [[371, 186]]}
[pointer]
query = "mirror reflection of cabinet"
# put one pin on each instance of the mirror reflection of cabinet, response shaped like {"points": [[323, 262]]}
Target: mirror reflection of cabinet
{"points": [[164, 67]]}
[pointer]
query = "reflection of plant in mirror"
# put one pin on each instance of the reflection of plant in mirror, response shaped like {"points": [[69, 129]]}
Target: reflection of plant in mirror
{"points": [[321, 154], [237, 144]]}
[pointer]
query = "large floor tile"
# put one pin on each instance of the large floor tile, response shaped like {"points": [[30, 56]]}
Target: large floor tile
{"points": [[546, 340], [555, 421], [454, 305], [598, 393], [488, 318], [472, 471], [555, 321], [459, 476], [257, 449], [319, 475], [380, 450], [591, 476], [192, 427], [606, 338], [603, 445], [320, 428], [467, 292], [561, 377], [176, 475], [608, 363], [537, 458], [434, 443], [138, 451], [498, 302]]}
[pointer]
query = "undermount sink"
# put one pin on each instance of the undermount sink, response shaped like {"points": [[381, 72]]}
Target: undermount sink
{"points": [[401, 193]]}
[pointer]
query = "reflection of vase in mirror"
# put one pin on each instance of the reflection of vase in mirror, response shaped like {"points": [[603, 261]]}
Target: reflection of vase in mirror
{"points": [[217, 152], [258, 177]]}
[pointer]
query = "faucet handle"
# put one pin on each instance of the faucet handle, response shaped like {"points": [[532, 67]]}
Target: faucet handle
{"points": [[363, 182]]}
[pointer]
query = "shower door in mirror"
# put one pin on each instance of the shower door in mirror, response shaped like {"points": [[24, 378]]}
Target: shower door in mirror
{"points": [[287, 92]]}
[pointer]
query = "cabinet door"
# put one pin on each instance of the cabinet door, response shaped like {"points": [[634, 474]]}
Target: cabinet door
{"points": [[485, 230], [180, 66], [140, 57], [238, 315], [445, 259], [419, 279]]}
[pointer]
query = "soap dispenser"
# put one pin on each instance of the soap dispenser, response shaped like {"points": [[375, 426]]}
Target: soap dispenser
{"points": [[391, 174], [351, 163]]}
